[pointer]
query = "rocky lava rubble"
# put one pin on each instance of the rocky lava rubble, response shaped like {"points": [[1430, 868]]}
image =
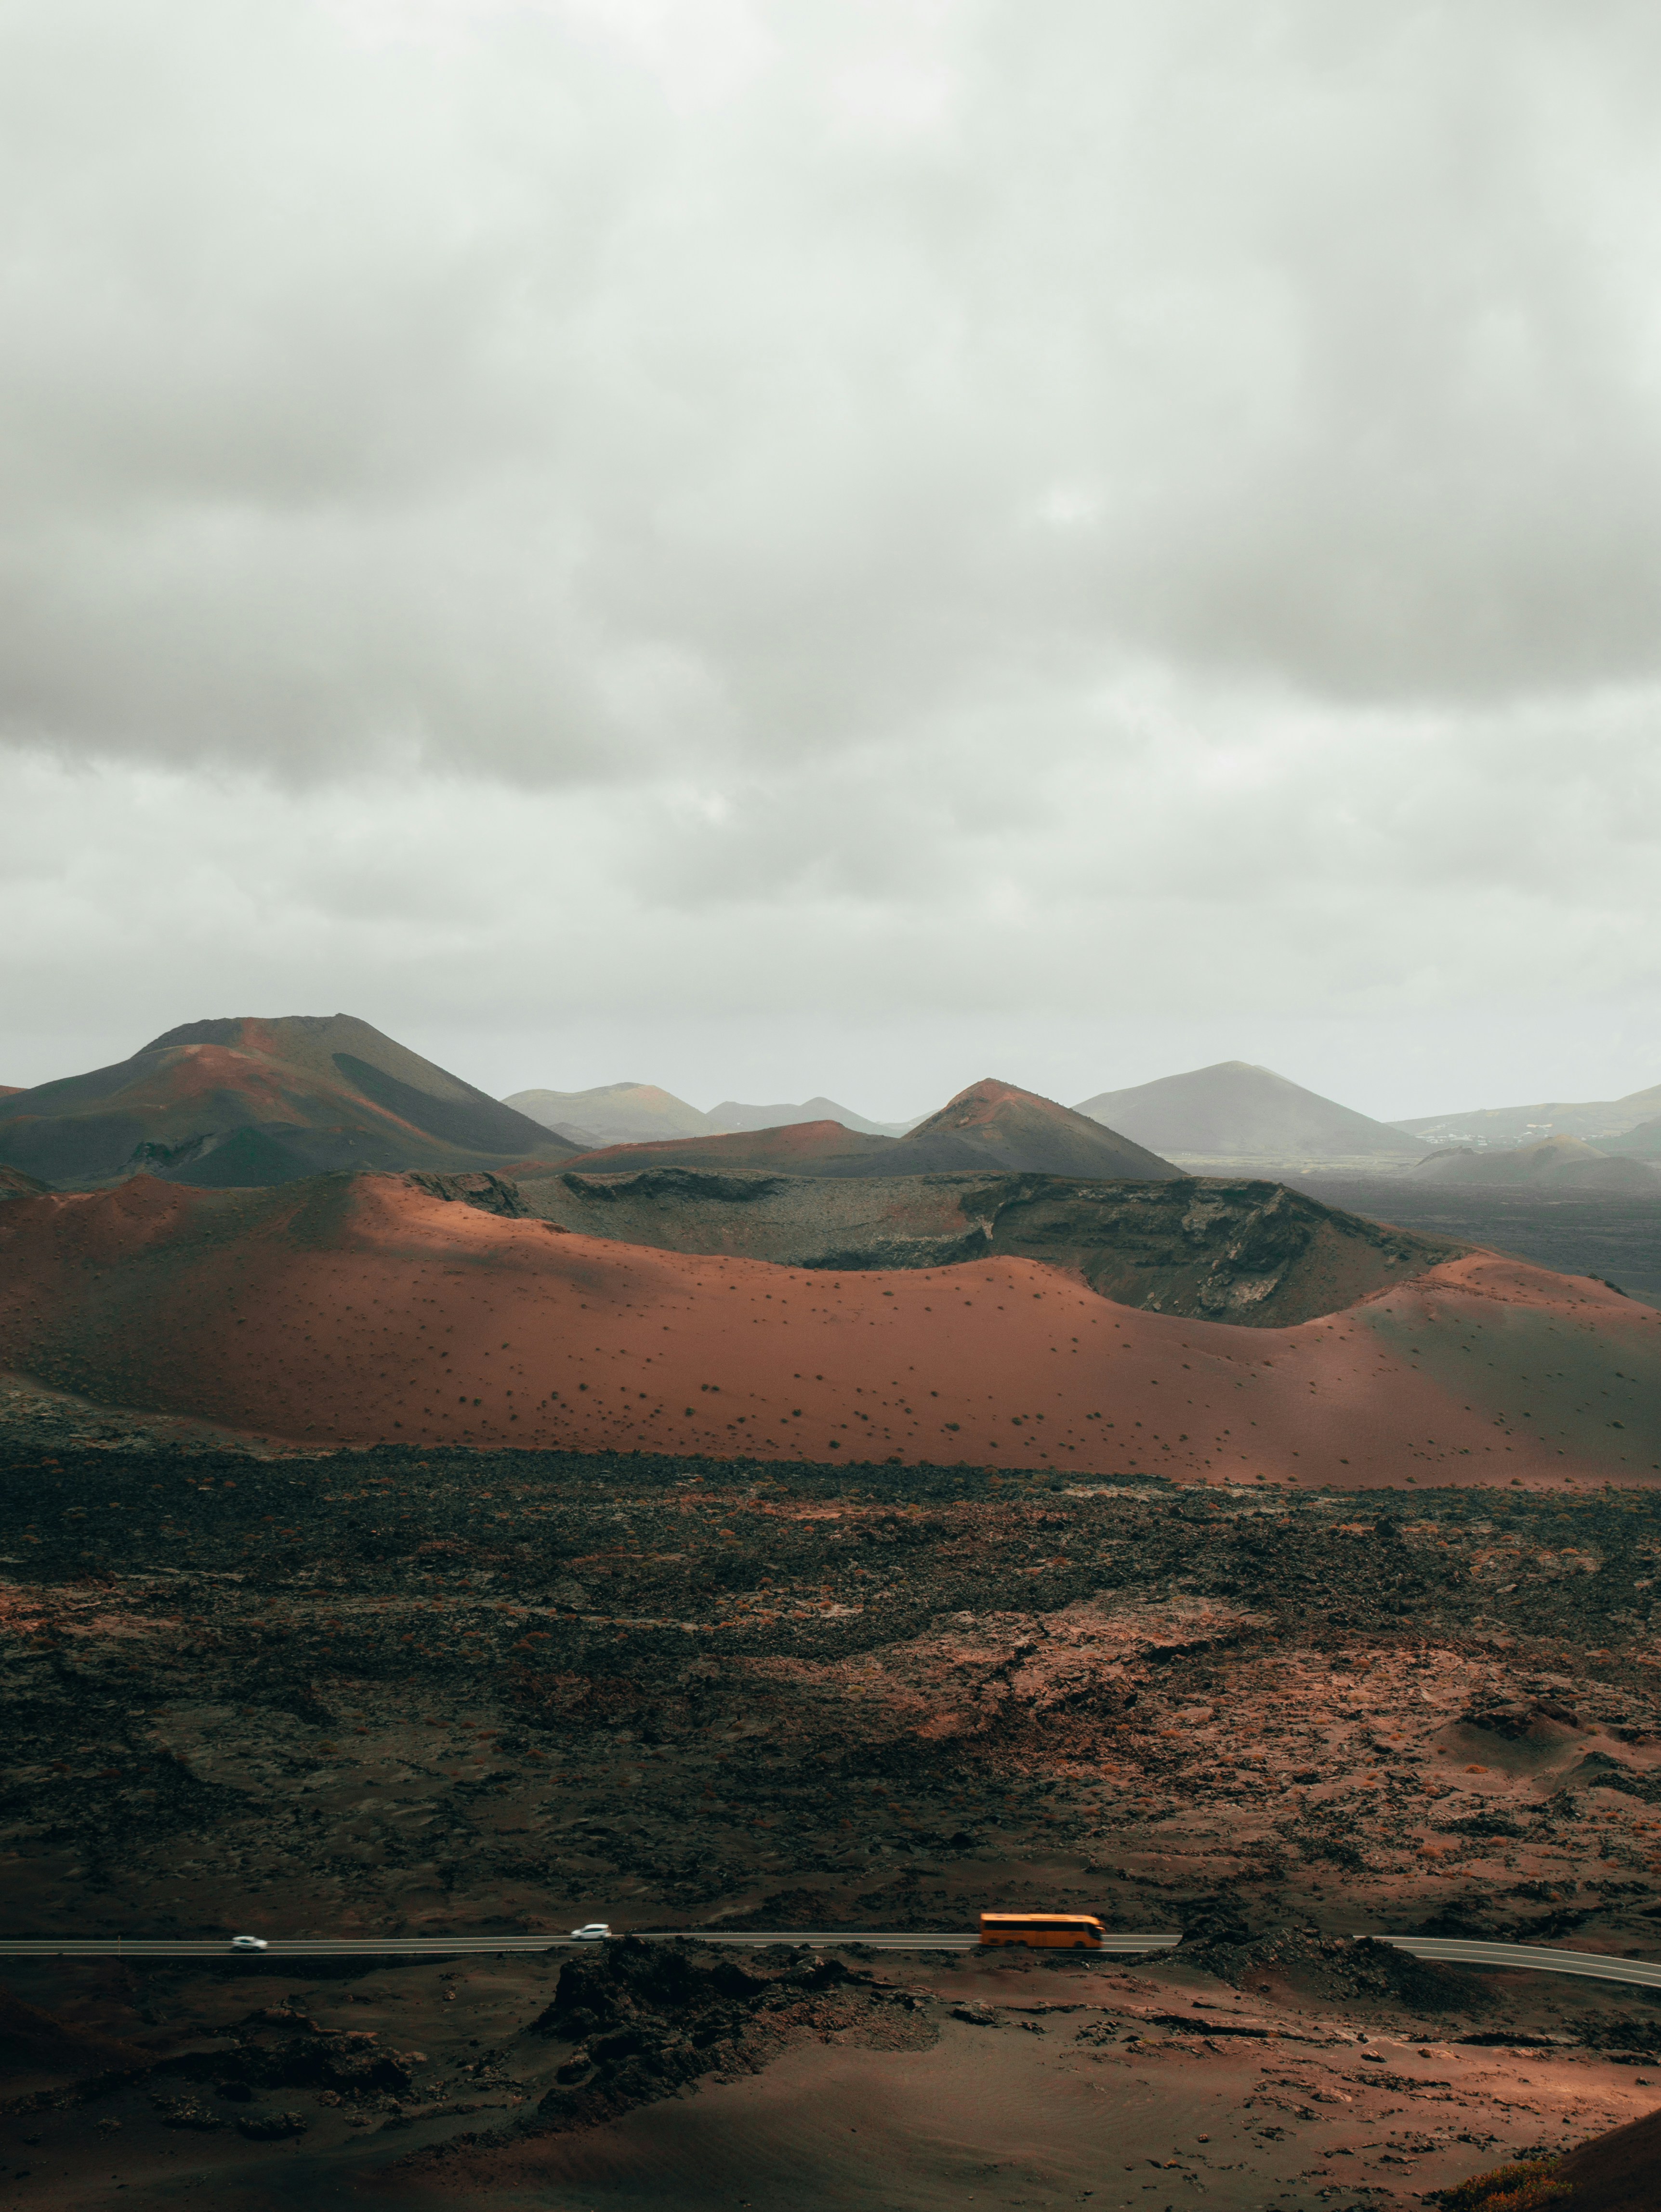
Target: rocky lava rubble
{"points": [[644, 2019], [432, 1688], [425, 1692]]}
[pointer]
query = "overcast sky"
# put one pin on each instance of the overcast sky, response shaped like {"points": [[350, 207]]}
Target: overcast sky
{"points": [[789, 548]]}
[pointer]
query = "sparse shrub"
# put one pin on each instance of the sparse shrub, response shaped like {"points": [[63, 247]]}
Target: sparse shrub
{"points": [[1529, 2186]]}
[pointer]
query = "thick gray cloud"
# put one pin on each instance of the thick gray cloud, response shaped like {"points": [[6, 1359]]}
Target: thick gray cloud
{"points": [[795, 547]]}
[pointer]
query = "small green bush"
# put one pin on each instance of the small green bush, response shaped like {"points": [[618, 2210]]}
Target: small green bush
{"points": [[1530, 2187]]}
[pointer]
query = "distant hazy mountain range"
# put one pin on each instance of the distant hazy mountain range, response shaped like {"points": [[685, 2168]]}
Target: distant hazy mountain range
{"points": [[1234, 1115], [1231, 1116], [246, 1102], [640, 1113], [729, 1115], [1633, 1123], [612, 1114], [1247, 1117]]}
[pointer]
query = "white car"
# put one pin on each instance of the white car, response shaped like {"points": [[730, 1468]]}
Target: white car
{"points": [[592, 1931], [249, 1943]]}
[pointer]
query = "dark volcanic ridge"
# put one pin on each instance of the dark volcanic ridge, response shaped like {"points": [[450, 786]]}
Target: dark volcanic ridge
{"points": [[1251, 1253], [242, 1102]]}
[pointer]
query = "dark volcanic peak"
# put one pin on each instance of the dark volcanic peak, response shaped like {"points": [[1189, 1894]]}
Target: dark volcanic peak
{"points": [[247, 1101], [1235, 1111], [994, 1124]]}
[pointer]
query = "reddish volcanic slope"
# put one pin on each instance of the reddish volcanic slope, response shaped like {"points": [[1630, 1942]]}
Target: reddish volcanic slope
{"points": [[363, 1308], [1617, 2172], [792, 1150]]}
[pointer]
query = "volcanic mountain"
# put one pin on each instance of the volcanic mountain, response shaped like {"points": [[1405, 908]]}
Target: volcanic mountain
{"points": [[365, 1308], [1240, 1114], [990, 1125], [1558, 1164], [994, 1125], [244, 1102]]}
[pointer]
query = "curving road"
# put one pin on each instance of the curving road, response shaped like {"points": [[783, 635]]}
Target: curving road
{"points": [[1534, 1957]]}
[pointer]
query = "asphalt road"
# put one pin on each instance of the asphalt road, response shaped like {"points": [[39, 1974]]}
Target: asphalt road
{"points": [[445, 1947], [1534, 1957], [1530, 1958]]}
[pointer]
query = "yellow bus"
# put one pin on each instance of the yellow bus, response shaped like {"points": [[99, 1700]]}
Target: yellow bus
{"points": [[1053, 1932]]}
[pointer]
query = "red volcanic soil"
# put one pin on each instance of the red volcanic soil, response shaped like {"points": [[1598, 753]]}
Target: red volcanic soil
{"points": [[1620, 2172], [361, 1309], [1049, 2115], [785, 1149]]}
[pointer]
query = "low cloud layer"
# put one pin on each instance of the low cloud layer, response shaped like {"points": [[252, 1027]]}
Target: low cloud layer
{"points": [[823, 546]]}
